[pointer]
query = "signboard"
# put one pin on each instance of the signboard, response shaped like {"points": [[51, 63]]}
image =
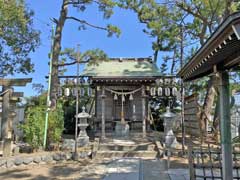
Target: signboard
{"points": [[191, 116]]}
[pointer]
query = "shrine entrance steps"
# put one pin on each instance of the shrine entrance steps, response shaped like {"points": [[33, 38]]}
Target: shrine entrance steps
{"points": [[134, 147]]}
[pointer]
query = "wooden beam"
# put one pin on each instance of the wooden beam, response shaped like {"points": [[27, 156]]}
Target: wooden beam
{"points": [[18, 94], [15, 97], [15, 82], [12, 99]]}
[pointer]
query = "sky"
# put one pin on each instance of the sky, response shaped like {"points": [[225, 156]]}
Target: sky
{"points": [[132, 42]]}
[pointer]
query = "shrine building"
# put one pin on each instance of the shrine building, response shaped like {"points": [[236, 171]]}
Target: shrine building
{"points": [[122, 89]]}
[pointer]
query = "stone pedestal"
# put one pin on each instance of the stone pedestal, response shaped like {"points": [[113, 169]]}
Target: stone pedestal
{"points": [[121, 129], [82, 141]]}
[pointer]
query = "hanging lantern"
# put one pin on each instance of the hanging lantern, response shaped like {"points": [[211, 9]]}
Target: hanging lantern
{"points": [[59, 92], [75, 81], [153, 91], [70, 81], [167, 81], [160, 91], [74, 92], [167, 92], [82, 92], [66, 81], [115, 97], [98, 88], [89, 91], [131, 97], [174, 81], [123, 98], [160, 81], [174, 91], [67, 92], [81, 81]]}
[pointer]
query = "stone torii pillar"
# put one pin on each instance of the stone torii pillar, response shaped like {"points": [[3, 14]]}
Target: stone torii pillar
{"points": [[9, 100]]}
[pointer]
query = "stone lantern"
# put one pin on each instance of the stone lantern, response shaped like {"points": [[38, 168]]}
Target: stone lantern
{"points": [[83, 138], [169, 137]]}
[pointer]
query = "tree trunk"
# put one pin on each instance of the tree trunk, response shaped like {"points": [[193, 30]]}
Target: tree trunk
{"points": [[173, 62], [56, 49], [207, 106], [216, 119], [155, 56], [216, 122]]}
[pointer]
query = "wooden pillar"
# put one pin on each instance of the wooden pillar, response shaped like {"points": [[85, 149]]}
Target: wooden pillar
{"points": [[103, 113], [225, 126], [143, 112]]}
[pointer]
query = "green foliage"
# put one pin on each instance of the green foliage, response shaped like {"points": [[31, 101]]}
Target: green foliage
{"points": [[104, 6], [162, 24], [34, 124], [113, 30], [179, 24], [69, 56], [18, 38], [33, 128]]}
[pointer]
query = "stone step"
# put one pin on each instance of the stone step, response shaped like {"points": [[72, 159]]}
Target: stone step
{"points": [[135, 154], [114, 147]]}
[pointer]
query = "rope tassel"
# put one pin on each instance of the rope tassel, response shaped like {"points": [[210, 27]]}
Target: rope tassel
{"points": [[131, 97], [115, 97], [123, 98]]}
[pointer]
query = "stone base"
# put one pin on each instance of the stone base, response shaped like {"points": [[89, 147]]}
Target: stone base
{"points": [[7, 147], [122, 129], [83, 141]]}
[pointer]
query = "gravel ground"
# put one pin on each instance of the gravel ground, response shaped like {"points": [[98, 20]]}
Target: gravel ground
{"points": [[82, 170]]}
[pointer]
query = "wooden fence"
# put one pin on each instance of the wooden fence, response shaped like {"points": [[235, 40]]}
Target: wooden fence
{"points": [[206, 163]]}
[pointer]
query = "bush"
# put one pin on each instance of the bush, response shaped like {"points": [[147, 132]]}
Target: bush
{"points": [[33, 127]]}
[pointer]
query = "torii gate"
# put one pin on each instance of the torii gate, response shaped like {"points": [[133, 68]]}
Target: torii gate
{"points": [[9, 100]]}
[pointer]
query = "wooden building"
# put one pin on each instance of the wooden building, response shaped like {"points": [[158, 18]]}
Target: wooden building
{"points": [[217, 57], [122, 88]]}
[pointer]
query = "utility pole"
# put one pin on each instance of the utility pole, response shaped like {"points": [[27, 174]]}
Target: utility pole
{"points": [[48, 93], [77, 105]]}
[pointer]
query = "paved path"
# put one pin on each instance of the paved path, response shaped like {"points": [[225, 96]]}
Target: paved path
{"points": [[123, 169], [137, 169]]}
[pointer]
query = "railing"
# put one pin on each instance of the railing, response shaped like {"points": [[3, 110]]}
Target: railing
{"points": [[206, 162]]}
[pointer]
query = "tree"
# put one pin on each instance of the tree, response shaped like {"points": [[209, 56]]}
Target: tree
{"points": [[180, 27], [105, 6], [18, 38], [206, 15], [162, 26]]}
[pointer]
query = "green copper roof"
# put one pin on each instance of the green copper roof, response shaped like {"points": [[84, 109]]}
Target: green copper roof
{"points": [[122, 68]]}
